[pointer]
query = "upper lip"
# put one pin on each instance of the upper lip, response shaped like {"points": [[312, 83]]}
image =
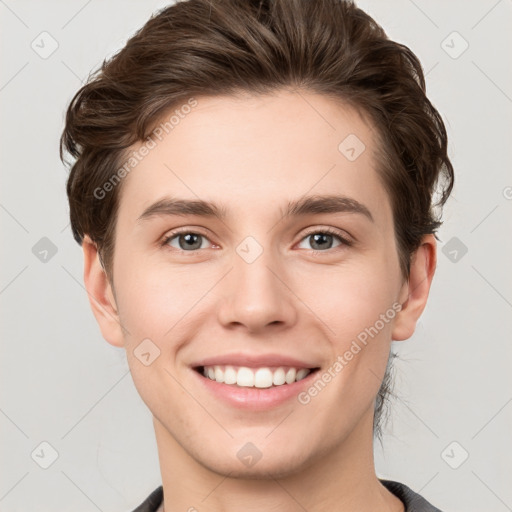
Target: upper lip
{"points": [[254, 361]]}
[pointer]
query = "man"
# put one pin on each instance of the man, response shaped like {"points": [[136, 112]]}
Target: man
{"points": [[252, 188]]}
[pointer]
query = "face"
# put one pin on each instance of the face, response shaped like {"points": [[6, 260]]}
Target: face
{"points": [[258, 286]]}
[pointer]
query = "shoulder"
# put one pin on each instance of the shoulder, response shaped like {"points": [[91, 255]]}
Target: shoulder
{"points": [[413, 501], [152, 502]]}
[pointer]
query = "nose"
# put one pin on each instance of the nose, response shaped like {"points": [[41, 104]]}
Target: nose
{"points": [[258, 296]]}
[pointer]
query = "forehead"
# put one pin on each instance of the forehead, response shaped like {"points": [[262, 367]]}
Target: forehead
{"points": [[248, 153]]}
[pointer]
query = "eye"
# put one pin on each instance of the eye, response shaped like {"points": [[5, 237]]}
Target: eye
{"points": [[186, 240], [321, 240]]}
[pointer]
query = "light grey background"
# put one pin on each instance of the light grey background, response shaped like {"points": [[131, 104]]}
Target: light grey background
{"points": [[61, 383]]}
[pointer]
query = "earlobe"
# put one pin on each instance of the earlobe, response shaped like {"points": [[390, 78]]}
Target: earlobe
{"points": [[415, 291], [100, 294]]}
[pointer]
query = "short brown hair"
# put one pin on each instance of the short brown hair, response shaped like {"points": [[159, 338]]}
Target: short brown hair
{"points": [[222, 47]]}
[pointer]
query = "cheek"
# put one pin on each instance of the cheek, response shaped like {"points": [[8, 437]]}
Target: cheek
{"points": [[153, 307], [351, 298], [151, 299]]}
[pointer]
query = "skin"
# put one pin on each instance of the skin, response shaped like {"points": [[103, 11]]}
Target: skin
{"points": [[253, 155]]}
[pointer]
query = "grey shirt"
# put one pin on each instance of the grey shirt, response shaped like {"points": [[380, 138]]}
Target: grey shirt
{"points": [[412, 501]]}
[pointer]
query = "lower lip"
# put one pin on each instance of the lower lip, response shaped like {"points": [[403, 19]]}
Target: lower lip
{"points": [[255, 399]]}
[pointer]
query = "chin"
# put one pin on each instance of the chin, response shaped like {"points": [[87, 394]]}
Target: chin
{"points": [[277, 465]]}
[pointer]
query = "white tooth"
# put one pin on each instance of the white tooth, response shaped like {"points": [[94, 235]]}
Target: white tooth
{"points": [[260, 378], [290, 375], [229, 375], [219, 374], [245, 377], [279, 377], [302, 373], [263, 378]]}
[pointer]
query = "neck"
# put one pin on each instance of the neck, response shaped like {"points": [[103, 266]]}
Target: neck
{"points": [[341, 480]]}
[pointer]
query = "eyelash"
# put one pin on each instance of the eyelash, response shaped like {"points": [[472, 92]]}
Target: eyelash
{"points": [[330, 231]]}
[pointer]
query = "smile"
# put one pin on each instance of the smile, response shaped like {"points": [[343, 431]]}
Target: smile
{"points": [[256, 388], [264, 377]]}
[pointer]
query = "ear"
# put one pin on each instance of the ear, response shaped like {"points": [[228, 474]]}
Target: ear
{"points": [[101, 296], [414, 293]]}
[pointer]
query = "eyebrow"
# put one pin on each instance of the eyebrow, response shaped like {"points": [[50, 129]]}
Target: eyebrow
{"points": [[316, 204]]}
